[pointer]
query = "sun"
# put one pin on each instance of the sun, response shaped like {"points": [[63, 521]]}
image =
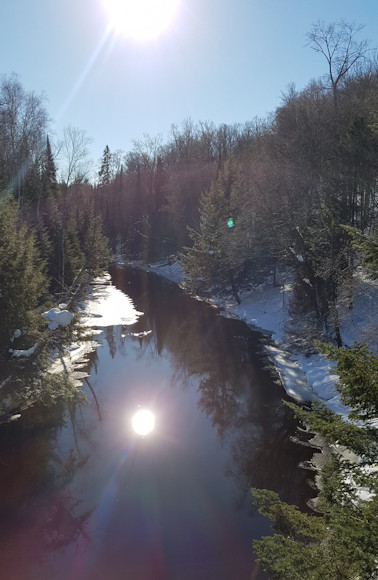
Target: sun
{"points": [[140, 19], [143, 422]]}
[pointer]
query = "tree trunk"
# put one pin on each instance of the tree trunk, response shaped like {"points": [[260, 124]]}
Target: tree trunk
{"points": [[234, 290]]}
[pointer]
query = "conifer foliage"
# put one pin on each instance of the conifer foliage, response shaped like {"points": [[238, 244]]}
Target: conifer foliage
{"points": [[341, 541], [51, 244], [23, 280], [222, 247], [104, 173]]}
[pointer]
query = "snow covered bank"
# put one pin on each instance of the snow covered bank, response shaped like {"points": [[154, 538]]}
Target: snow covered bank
{"points": [[305, 377], [105, 306]]}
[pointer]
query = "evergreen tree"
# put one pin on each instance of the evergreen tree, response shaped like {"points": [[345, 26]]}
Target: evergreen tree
{"points": [[40, 182], [368, 248], [341, 543], [222, 247], [66, 259], [48, 170], [32, 185], [23, 283], [104, 173], [94, 243]]}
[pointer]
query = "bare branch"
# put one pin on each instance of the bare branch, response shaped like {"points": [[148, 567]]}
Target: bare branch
{"points": [[74, 149], [337, 43]]}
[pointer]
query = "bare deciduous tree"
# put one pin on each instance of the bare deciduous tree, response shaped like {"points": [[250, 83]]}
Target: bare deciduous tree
{"points": [[23, 127], [338, 44], [74, 153]]}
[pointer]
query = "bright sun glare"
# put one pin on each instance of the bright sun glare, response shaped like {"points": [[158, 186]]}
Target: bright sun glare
{"points": [[141, 19], [143, 422]]}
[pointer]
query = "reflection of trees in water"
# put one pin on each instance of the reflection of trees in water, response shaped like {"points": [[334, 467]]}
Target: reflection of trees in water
{"points": [[118, 340], [51, 524], [62, 525], [39, 513], [258, 433], [218, 401], [90, 361], [237, 390], [111, 339]]}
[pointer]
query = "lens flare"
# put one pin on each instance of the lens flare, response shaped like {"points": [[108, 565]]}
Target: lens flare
{"points": [[141, 19], [143, 422]]}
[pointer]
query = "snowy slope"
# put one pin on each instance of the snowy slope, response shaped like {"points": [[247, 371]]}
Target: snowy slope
{"points": [[305, 377]]}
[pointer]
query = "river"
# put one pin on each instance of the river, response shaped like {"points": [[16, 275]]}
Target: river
{"points": [[85, 497]]}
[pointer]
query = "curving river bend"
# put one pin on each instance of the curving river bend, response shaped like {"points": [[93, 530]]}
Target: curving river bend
{"points": [[87, 498]]}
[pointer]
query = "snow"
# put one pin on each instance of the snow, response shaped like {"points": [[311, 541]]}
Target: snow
{"points": [[141, 334], [25, 353], [105, 306], [108, 306], [17, 333], [14, 417], [58, 318], [172, 272], [305, 377]]}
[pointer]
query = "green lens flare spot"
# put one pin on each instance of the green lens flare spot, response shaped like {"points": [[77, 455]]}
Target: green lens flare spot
{"points": [[230, 223]]}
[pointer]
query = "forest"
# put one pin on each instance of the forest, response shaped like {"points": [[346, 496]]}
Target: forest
{"points": [[234, 204]]}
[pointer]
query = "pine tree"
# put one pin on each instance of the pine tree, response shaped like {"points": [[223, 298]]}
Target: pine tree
{"points": [[341, 542], [67, 258], [368, 248], [222, 247], [40, 182], [48, 170], [23, 283], [94, 243], [104, 173], [339, 545]]}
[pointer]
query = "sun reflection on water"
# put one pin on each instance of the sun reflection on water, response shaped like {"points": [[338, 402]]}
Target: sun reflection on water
{"points": [[143, 422]]}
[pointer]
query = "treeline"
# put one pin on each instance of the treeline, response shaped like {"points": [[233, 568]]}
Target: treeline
{"points": [[238, 202], [297, 193], [234, 203], [51, 243]]}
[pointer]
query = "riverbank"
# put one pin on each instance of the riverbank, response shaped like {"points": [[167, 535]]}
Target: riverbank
{"points": [[305, 374], [104, 306], [266, 308]]}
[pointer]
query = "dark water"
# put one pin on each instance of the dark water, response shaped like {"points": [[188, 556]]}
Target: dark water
{"points": [[87, 498]]}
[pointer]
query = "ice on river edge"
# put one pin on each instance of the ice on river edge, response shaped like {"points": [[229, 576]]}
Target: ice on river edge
{"points": [[108, 306], [304, 377], [105, 306], [266, 307]]}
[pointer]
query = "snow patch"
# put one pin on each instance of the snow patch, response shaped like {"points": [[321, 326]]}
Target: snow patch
{"points": [[58, 317], [105, 306], [141, 334], [173, 272], [266, 307], [25, 353], [17, 333], [292, 376], [108, 306]]}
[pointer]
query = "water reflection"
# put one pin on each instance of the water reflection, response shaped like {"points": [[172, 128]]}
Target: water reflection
{"points": [[97, 500], [143, 422], [40, 515], [235, 383]]}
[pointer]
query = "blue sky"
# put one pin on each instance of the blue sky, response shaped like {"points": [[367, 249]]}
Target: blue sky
{"points": [[220, 60]]}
